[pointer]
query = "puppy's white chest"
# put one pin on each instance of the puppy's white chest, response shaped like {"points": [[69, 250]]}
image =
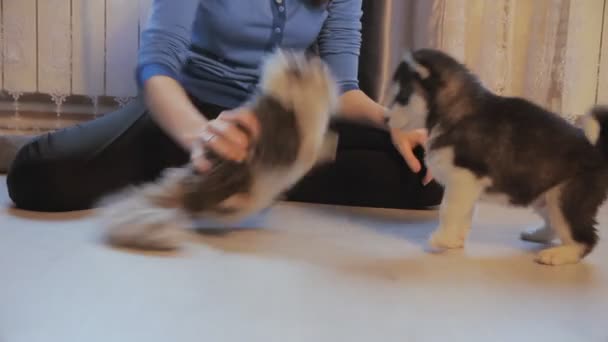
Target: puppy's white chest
{"points": [[495, 198], [441, 164]]}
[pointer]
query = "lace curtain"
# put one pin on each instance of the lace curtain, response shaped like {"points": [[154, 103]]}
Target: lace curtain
{"points": [[549, 51], [68, 57], [553, 52], [80, 53]]}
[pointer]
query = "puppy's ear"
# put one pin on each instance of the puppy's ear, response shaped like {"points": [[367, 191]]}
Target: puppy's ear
{"points": [[422, 71]]}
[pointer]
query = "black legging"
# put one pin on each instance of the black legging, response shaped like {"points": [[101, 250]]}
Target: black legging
{"points": [[72, 168]]}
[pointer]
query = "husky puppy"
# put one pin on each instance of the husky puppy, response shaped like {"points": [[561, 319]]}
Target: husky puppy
{"points": [[483, 146], [296, 98]]}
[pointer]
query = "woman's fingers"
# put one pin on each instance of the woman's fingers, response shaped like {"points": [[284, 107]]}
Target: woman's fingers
{"points": [[217, 144], [410, 158], [224, 147], [427, 178], [224, 137], [405, 143], [227, 134], [418, 137], [202, 164], [245, 118], [401, 140], [231, 141], [198, 158]]}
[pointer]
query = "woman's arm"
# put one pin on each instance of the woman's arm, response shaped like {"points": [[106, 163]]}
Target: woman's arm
{"points": [[165, 39], [356, 105], [173, 111], [339, 42], [340, 45], [164, 47]]}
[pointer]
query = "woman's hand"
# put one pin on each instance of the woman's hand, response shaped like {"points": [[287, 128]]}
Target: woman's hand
{"points": [[356, 105], [405, 142], [224, 137]]}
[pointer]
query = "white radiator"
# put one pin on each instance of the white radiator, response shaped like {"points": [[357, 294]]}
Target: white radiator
{"points": [[64, 49]]}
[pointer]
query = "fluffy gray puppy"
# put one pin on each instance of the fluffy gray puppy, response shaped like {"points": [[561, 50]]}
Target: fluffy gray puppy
{"points": [[486, 147], [296, 99]]}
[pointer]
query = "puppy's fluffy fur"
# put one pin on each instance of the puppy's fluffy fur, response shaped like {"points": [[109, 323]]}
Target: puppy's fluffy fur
{"points": [[506, 149], [297, 96]]}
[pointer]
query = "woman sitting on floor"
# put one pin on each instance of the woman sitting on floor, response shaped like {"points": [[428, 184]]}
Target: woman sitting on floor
{"points": [[198, 62]]}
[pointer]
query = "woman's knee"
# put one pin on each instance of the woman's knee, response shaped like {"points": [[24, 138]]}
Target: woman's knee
{"points": [[20, 177], [28, 181]]}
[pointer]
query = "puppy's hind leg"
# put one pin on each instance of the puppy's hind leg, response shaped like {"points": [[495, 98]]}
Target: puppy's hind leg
{"points": [[456, 212], [571, 208]]}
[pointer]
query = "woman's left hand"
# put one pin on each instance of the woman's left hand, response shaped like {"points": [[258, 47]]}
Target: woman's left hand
{"points": [[405, 142]]}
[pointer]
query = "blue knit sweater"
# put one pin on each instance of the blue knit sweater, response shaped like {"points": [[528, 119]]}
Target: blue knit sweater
{"points": [[214, 47]]}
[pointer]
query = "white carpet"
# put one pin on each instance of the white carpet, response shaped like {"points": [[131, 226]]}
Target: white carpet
{"points": [[311, 274]]}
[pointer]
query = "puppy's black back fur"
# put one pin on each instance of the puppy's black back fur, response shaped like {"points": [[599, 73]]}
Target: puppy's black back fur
{"points": [[523, 148]]}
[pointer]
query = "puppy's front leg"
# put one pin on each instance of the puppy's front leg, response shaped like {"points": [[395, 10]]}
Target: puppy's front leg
{"points": [[456, 212]]}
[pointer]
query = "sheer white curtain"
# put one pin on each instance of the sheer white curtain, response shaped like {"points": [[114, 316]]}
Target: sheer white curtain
{"points": [[68, 57], [554, 52], [549, 51]]}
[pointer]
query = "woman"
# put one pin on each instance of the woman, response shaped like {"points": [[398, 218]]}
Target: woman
{"points": [[198, 62]]}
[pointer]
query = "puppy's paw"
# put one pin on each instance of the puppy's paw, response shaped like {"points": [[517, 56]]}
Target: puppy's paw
{"points": [[560, 255], [447, 239], [542, 234]]}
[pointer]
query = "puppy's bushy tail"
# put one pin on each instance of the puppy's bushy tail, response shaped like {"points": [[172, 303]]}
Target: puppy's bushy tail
{"points": [[595, 126], [146, 217]]}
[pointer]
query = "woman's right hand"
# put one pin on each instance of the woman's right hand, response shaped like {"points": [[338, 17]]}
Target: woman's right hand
{"points": [[224, 137]]}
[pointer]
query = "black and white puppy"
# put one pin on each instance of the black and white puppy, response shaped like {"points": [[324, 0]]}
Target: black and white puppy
{"points": [[296, 99], [483, 146]]}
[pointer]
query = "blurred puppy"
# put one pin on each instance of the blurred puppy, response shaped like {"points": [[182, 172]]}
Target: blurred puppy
{"points": [[296, 99], [489, 147]]}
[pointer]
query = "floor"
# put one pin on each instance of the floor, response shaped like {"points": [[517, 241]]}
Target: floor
{"points": [[308, 273]]}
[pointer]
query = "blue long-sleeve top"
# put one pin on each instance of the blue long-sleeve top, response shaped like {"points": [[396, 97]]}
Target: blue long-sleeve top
{"points": [[214, 48]]}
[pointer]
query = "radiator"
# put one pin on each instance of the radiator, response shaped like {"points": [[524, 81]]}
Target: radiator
{"points": [[68, 56]]}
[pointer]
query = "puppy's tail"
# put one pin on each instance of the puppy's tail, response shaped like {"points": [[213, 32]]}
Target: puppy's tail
{"points": [[146, 217], [595, 126]]}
